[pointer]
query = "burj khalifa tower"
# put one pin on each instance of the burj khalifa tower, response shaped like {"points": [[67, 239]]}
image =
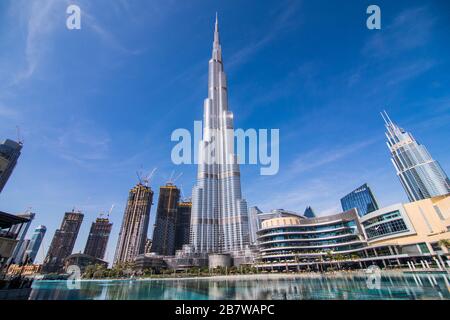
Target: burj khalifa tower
{"points": [[219, 219]]}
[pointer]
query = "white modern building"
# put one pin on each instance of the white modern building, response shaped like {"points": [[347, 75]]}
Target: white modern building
{"points": [[421, 176], [219, 220]]}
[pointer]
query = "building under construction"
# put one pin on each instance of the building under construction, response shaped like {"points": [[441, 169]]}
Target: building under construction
{"points": [[63, 242], [133, 232], [183, 224], [98, 238], [166, 217]]}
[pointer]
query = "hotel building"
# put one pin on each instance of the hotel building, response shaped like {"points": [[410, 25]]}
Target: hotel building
{"points": [[421, 176]]}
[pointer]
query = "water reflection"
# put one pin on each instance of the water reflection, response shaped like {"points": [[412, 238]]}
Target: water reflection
{"points": [[346, 287]]}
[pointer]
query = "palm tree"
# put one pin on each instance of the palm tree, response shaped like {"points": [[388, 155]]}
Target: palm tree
{"points": [[444, 243]]}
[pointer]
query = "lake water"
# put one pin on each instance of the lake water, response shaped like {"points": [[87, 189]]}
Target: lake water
{"points": [[348, 287]]}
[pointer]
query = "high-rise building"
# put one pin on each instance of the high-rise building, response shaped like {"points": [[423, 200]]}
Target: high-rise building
{"points": [[219, 220], [20, 255], [98, 238], [148, 246], [166, 217], [309, 212], [21, 231], [133, 232], [183, 224], [362, 198], [35, 244], [63, 242], [421, 176], [9, 153]]}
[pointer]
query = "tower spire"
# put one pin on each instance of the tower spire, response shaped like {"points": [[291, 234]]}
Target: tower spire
{"points": [[217, 50]]}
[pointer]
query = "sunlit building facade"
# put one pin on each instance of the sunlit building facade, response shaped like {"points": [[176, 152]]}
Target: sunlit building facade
{"points": [[420, 175], [219, 220]]}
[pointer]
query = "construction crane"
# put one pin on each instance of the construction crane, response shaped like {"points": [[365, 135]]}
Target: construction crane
{"points": [[110, 210], [146, 181], [19, 136]]}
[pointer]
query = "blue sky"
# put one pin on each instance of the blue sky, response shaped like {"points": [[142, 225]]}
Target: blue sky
{"points": [[96, 105]]}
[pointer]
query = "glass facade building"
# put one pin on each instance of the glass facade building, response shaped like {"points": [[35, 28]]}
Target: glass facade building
{"points": [[9, 153], [362, 199], [35, 244], [420, 175]]}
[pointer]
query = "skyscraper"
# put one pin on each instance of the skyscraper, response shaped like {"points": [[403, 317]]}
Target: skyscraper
{"points": [[133, 232], [63, 242], [362, 199], [420, 175], [35, 244], [183, 224], [163, 242], [309, 212], [219, 221], [9, 153], [21, 230], [98, 238]]}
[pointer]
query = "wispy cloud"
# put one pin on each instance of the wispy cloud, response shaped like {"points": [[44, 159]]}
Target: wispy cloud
{"points": [[281, 21]]}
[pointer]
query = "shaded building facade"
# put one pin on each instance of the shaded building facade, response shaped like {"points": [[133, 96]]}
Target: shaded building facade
{"points": [[63, 242], [183, 224], [420, 175], [9, 153], [163, 242], [98, 238], [133, 232], [21, 230], [35, 243], [362, 198]]}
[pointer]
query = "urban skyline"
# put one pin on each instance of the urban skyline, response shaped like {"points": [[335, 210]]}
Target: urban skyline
{"points": [[425, 134]]}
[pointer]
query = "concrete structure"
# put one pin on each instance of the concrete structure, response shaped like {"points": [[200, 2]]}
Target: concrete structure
{"points": [[133, 232], [35, 244], [408, 235], [148, 246], [21, 230], [183, 224], [220, 260], [362, 198], [82, 261], [9, 153], [8, 235], [63, 242], [416, 228], [149, 261], [219, 221], [98, 238], [163, 242], [421, 176]]}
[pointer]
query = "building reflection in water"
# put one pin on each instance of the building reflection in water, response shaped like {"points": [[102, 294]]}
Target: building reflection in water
{"points": [[346, 287]]}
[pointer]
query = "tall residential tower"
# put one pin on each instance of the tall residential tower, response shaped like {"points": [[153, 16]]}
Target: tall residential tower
{"points": [[219, 220], [421, 176], [9, 153], [63, 242], [133, 232], [98, 238], [35, 244], [166, 217]]}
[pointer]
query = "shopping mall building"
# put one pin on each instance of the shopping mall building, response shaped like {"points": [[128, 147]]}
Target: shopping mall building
{"points": [[413, 235]]}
